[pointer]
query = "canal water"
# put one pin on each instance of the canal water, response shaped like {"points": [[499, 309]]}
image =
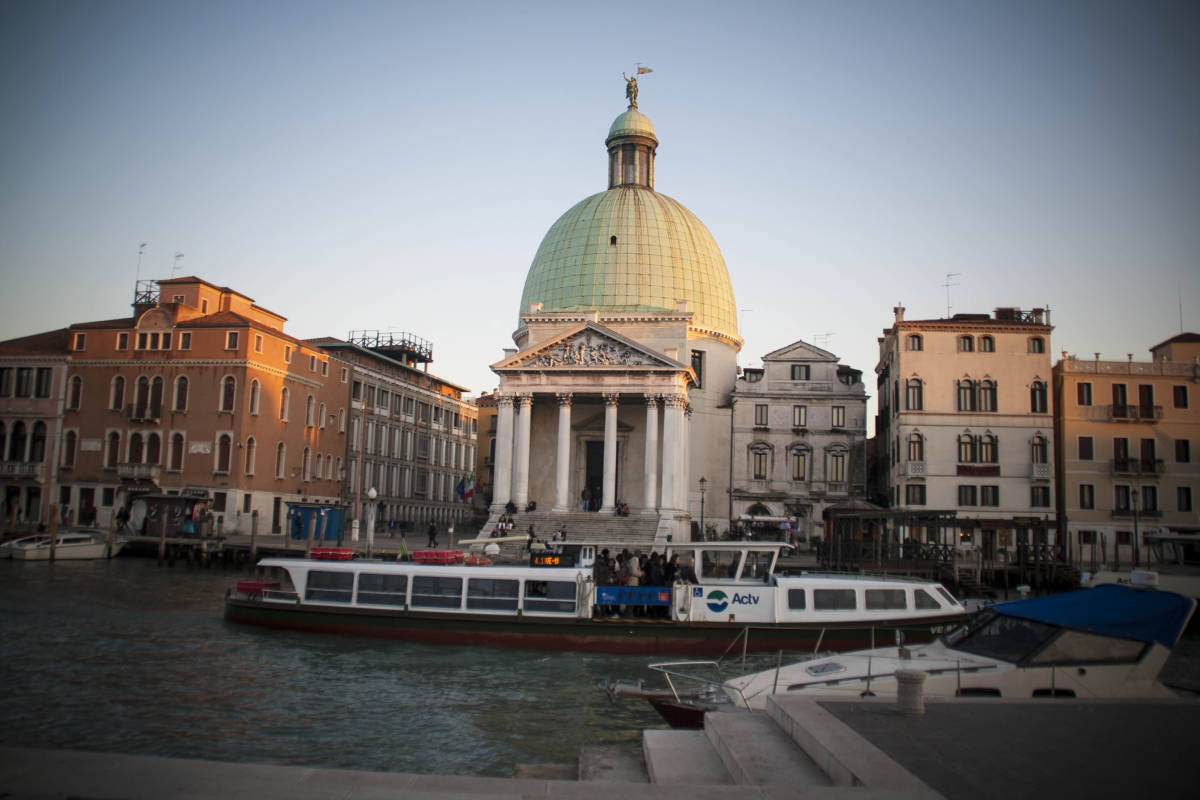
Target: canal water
{"points": [[126, 656]]}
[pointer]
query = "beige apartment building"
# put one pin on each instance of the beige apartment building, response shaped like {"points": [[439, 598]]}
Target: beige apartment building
{"points": [[200, 392], [966, 414], [1124, 438]]}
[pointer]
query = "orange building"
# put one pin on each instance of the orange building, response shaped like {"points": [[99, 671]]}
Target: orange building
{"points": [[200, 391]]}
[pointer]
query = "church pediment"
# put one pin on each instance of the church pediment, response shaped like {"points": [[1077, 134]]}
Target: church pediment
{"points": [[590, 346]]}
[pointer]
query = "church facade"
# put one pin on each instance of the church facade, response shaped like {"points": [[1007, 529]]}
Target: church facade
{"points": [[617, 392]]}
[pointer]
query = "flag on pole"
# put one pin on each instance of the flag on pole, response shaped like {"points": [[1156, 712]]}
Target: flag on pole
{"points": [[461, 489], [644, 70], [469, 490]]}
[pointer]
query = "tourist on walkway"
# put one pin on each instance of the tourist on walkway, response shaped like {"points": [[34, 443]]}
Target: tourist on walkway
{"points": [[432, 534]]}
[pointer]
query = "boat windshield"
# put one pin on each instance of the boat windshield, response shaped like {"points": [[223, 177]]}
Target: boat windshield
{"points": [[1002, 637]]}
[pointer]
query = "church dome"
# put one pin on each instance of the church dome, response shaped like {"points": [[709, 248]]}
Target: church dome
{"points": [[631, 248]]}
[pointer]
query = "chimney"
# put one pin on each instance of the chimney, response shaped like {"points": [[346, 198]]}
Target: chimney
{"points": [[898, 310]]}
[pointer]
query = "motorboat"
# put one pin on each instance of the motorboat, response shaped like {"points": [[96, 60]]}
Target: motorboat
{"points": [[553, 602], [1109, 641], [68, 546]]}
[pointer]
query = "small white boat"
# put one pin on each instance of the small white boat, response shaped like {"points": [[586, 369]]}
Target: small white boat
{"points": [[1106, 642], [70, 546]]}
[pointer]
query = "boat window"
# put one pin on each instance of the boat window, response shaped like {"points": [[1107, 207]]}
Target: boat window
{"points": [[1006, 638], [329, 587], [382, 590], [436, 591], [492, 594], [886, 599], [555, 597], [1074, 647], [719, 564], [758, 566], [949, 597], [924, 600], [796, 599], [834, 600]]}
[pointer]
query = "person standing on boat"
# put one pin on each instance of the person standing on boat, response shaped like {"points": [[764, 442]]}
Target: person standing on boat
{"points": [[432, 534], [687, 573]]}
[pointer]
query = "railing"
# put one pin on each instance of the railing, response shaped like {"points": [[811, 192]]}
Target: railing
{"points": [[1136, 466], [20, 469], [1039, 472], [1134, 413], [912, 469], [139, 471]]}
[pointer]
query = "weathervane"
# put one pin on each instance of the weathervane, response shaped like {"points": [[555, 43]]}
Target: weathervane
{"points": [[631, 87]]}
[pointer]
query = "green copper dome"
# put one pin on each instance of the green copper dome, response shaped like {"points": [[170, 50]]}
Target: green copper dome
{"points": [[631, 248]]}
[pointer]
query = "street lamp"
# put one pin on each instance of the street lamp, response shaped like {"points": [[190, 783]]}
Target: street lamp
{"points": [[703, 483], [371, 495]]}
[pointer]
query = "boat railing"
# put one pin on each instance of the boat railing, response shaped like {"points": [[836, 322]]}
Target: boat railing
{"points": [[280, 595], [671, 671]]}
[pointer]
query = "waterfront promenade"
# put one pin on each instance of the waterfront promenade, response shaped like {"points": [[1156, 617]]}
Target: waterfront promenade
{"points": [[977, 749]]}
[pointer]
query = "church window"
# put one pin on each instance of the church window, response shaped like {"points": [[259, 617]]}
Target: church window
{"points": [[612, 241]]}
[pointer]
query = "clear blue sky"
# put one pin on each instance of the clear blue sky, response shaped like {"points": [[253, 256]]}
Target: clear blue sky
{"points": [[395, 164]]}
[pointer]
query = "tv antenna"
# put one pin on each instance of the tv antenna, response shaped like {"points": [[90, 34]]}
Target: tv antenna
{"points": [[822, 339], [948, 284], [141, 249], [175, 266]]}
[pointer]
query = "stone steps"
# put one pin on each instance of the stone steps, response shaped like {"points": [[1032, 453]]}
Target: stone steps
{"points": [[636, 531]]}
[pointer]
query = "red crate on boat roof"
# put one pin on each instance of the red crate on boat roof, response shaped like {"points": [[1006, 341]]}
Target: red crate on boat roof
{"points": [[437, 556], [255, 587], [332, 553]]}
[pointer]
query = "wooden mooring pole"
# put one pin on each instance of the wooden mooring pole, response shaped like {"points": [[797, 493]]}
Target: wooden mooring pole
{"points": [[53, 532]]}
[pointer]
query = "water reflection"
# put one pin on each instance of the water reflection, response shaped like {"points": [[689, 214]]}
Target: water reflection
{"points": [[129, 657]]}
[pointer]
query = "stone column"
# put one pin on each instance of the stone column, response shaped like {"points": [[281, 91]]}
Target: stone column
{"points": [[521, 464], [502, 469], [672, 431], [562, 463], [650, 502], [683, 470], [609, 493]]}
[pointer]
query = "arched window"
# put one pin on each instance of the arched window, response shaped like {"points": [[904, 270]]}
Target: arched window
{"points": [[135, 448], [914, 395], [37, 443], [309, 412], [321, 416], [1037, 398], [17, 442], [251, 452], [224, 452], [112, 454], [153, 448], [156, 397], [75, 393], [1037, 344], [987, 449], [306, 466], [915, 342], [181, 393], [228, 393], [70, 441], [966, 344], [142, 397], [836, 469], [328, 467], [966, 449], [280, 462], [987, 344], [966, 395], [117, 400], [1040, 450], [283, 403], [254, 396], [337, 475], [176, 452], [760, 461], [987, 396], [916, 447]]}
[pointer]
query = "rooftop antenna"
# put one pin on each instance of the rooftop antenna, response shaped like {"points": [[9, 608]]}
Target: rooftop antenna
{"points": [[948, 284], [141, 249], [822, 339], [175, 266]]}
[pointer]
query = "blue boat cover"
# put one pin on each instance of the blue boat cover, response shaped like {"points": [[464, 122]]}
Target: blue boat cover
{"points": [[633, 596], [1145, 615]]}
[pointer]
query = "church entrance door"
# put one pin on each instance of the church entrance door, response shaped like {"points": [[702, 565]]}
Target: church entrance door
{"points": [[593, 474]]}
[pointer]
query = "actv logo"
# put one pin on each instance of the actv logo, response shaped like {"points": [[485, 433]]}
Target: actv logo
{"points": [[717, 601]]}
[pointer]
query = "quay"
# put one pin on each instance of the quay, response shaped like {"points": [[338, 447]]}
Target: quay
{"points": [[801, 747]]}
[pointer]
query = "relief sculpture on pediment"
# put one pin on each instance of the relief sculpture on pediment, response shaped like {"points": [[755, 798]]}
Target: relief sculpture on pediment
{"points": [[589, 352]]}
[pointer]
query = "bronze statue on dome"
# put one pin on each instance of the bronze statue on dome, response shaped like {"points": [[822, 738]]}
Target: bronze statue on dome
{"points": [[631, 89]]}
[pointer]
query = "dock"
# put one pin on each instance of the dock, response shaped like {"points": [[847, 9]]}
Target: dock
{"points": [[800, 747]]}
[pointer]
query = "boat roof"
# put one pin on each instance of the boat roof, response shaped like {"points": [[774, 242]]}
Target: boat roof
{"points": [[1145, 615]]}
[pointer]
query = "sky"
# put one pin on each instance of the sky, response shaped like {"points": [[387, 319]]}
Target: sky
{"points": [[393, 165]]}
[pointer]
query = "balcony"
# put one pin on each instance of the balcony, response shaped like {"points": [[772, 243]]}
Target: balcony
{"points": [[1134, 413], [139, 472], [1136, 466], [147, 414], [1142, 513], [1039, 472], [20, 469], [912, 469]]}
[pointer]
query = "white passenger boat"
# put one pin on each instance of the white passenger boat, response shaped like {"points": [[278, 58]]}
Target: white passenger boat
{"points": [[70, 546], [1105, 642], [554, 603]]}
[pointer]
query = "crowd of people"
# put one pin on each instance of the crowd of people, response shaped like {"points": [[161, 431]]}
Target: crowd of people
{"points": [[639, 569]]}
